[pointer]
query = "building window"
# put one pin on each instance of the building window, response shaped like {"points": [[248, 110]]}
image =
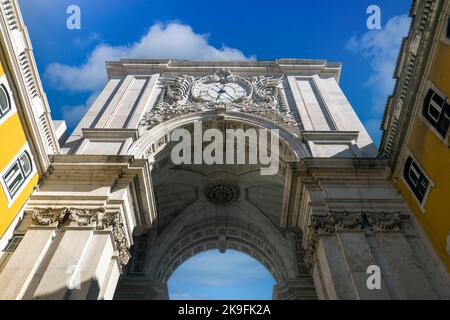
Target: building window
{"points": [[437, 111], [416, 179], [15, 177], [13, 243], [5, 104], [448, 28]]}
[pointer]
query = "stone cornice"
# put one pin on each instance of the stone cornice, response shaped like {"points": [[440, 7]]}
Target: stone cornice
{"points": [[401, 106], [346, 136], [33, 103], [341, 166], [105, 173], [110, 133], [280, 66], [69, 168], [81, 158]]}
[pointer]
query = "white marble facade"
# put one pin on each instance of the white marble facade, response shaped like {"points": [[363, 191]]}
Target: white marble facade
{"points": [[115, 217], [310, 87]]}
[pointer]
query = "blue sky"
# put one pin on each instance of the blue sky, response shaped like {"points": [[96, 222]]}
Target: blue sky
{"points": [[71, 62], [212, 275]]}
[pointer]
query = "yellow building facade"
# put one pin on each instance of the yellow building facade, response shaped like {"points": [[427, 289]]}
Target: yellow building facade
{"points": [[416, 123], [27, 135], [17, 167]]}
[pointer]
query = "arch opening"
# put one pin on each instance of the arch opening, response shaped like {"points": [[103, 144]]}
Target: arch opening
{"points": [[224, 208], [212, 275]]}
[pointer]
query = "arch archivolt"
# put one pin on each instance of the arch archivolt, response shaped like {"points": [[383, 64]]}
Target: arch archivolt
{"points": [[156, 138], [191, 225], [202, 227], [214, 234]]}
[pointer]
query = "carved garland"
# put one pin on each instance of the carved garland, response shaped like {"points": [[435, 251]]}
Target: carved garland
{"points": [[86, 217]]}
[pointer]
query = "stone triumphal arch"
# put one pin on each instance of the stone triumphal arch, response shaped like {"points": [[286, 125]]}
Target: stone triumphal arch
{"points": [[115, 216]]}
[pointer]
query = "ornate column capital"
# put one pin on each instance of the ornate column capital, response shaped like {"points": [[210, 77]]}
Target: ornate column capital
{"points": [[103, 220], [87, 217], [384, 221], [47, 216], [319, 224], [347, 221]]}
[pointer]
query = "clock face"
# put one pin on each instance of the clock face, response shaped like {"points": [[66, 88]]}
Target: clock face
{"points": [[220, 92]]}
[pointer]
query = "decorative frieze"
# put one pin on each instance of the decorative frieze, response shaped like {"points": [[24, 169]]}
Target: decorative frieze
{"points": [[384, 221], [346, 221], [98, 218], [182, 95], [85, 217], [48, 216]]}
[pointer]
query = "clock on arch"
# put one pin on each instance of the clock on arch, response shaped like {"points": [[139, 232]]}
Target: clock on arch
{"points": [[222, 87]]}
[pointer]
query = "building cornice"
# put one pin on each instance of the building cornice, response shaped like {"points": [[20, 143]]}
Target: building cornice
{"points": [[280, 66], [114, 172], [33, 102], [412, 63], [339, 165]]}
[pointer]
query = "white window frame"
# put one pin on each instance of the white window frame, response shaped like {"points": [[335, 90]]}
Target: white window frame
{"points": [[444, 38], [430, 85], [447, 28], [4, 91], [13, 243], [413, 170], [18, 172], [430, 182], [436, 106], [12, 105], [447, 247], [12, 199]]}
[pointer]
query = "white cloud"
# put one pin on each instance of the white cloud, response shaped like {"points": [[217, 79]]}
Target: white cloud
{"points": [[173, 40], [185, 295], [182, 296], [214, 270], [73, 114], [381, 48], [83, 42], [224, 270]]}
